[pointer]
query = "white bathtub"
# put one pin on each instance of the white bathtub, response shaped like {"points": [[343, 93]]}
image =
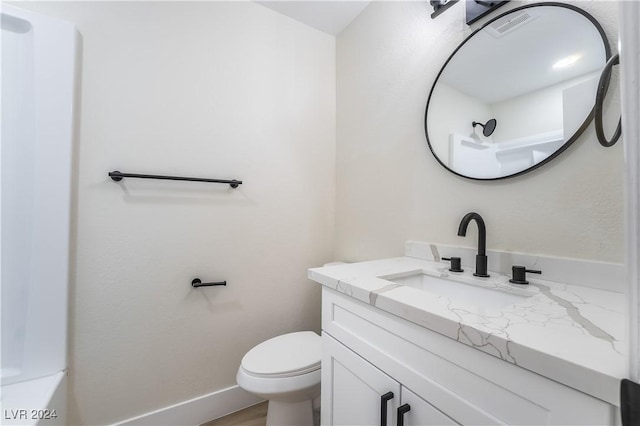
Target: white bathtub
{"points": [[38, 81]]}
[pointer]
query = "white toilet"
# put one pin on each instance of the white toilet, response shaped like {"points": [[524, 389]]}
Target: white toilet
{"points": [[286, 371]]}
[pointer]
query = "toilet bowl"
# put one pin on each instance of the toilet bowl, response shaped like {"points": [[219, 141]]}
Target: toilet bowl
{"points": [[285, 370]]}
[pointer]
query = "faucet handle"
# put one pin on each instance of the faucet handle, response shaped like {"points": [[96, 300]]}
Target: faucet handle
{"points": [[520, 274], [456, 263]]}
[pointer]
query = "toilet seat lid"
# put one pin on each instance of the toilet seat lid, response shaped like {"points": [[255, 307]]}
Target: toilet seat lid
{"points": [[288, 355]]}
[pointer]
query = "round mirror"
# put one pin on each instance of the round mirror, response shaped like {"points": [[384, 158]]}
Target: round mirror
{"points": [[516, 92]]}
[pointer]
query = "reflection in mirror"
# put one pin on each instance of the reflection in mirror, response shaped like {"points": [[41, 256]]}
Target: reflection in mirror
{"points": [[533, 70], [488, 128]]}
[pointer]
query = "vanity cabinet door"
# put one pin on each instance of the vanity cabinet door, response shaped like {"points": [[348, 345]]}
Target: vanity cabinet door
{"points": [[352, 389], [422, 413]]}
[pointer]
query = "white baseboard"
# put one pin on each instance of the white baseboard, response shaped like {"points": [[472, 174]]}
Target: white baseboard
{"points": [[197, 410]]}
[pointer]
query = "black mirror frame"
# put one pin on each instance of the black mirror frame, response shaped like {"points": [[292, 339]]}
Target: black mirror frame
{"points": [[571, 140]]}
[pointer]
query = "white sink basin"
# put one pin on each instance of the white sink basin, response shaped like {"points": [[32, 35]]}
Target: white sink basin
{"points": [[483, 297]]}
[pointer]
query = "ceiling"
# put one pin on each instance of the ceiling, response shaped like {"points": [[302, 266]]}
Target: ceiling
{"points": [[493, 68], [329, 16]]}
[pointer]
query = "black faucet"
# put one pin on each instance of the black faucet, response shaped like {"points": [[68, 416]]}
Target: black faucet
{"points": [[481, 257]]}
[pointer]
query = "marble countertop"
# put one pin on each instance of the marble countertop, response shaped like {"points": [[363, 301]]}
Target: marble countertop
{"points": [[569, 333]]}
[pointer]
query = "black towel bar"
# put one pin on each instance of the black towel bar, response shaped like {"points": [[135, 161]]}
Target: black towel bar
{"points": [[118, 176]]}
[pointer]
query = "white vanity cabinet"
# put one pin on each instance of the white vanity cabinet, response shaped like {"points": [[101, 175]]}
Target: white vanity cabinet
{"points": [[357, 393], [368, 352]]}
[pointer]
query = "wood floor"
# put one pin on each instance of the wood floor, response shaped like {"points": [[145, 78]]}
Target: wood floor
{"points": [[252, 416]]}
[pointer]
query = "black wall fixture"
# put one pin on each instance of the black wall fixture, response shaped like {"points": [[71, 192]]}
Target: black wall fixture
{"points": [[440, 6], [117, 176], [603, 85], [197, 282], [476, 9]]}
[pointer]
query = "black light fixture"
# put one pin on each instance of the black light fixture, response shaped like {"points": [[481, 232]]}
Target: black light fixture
{"points": [[440, 6], [488, 128]]}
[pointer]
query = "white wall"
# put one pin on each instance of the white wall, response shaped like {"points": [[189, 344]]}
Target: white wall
{"points": [[557, 107], [530, 114], [211, 89], [391, 189]]}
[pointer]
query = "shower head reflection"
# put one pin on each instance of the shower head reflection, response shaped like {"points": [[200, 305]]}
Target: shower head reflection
{"points": [[488, 128]]}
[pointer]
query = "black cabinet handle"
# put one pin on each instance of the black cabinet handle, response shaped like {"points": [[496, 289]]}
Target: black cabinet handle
{"points": [[629, 397], [404, 408], [384, 400]]}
